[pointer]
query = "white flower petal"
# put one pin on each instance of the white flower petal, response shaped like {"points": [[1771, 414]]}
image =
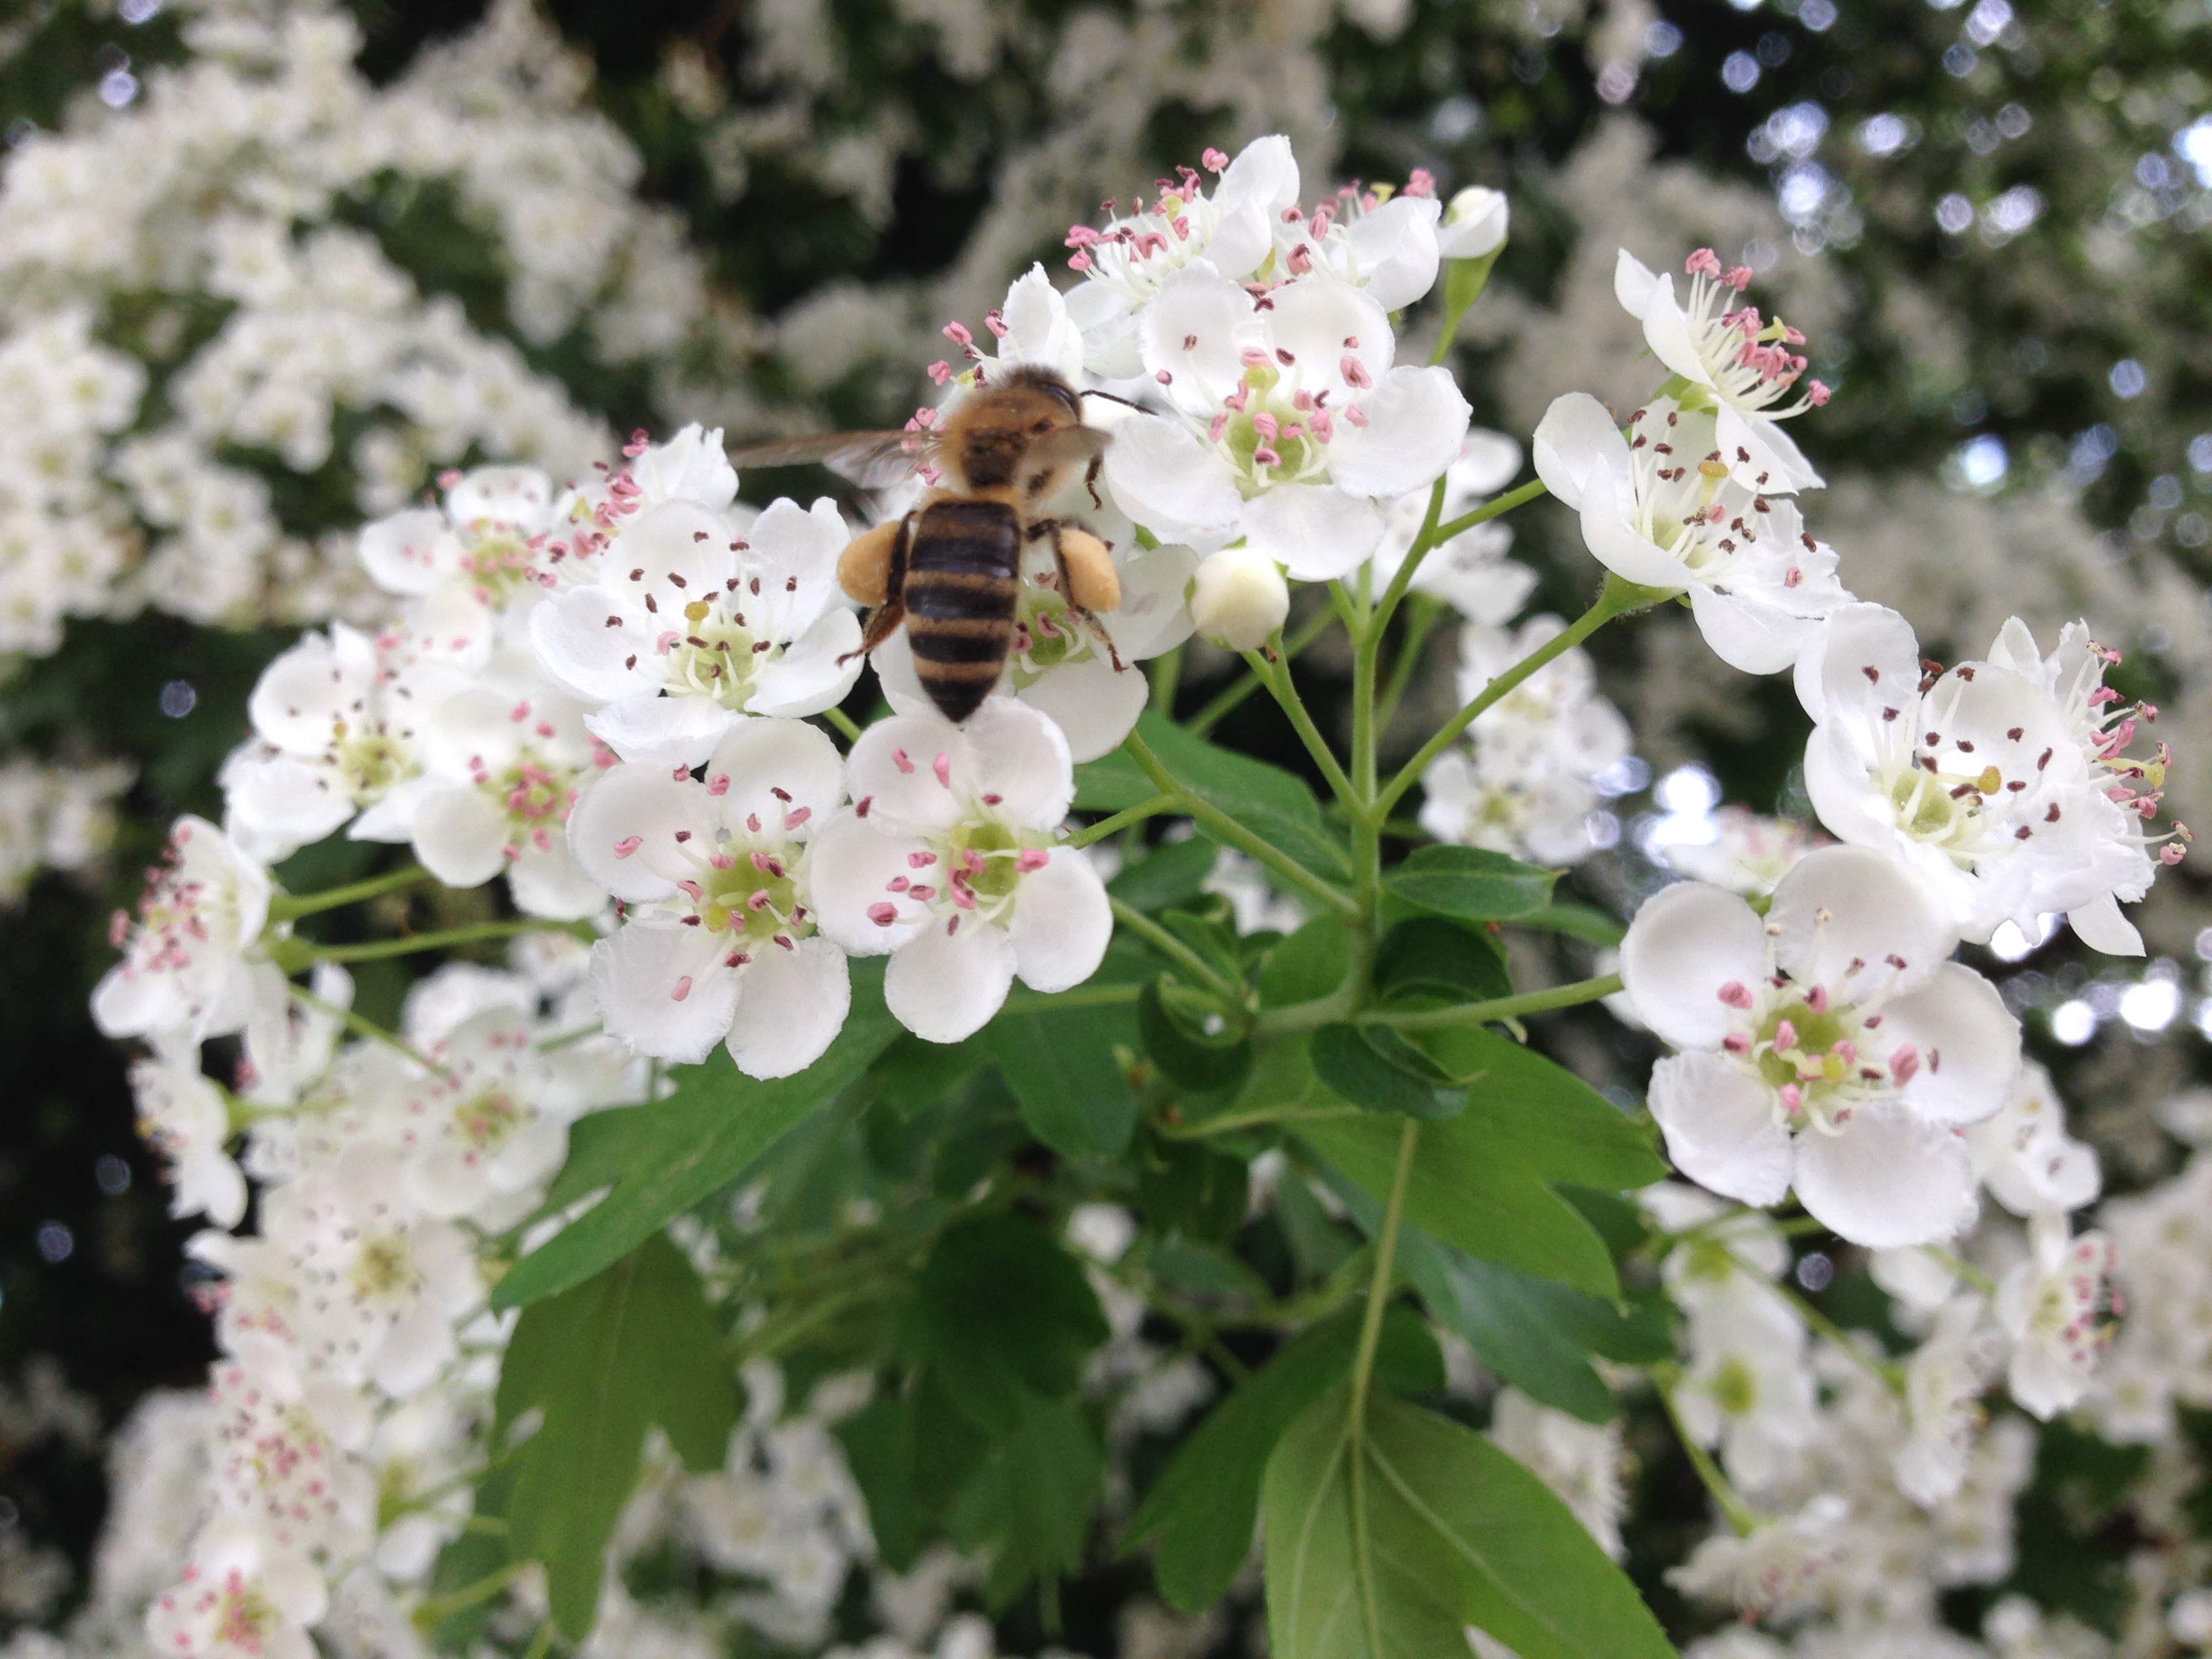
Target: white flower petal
{"points": [[944, 986], [1062, 922], [1312, 325], [1416, 421], [1839, 906], [1968, 1041], [1609, 502], [792, 552], [1192, 333], [636, 974], [576, 646], [1887, 1178], [1017, 754], [657, 731], [460, 836], [1316, 532], [1256, 186], [1746, 634], [1093, 706], [1165, 478], [645, 810], [791, 1005], [1632, 284], [1666, 332], [1720, 1128], [815, 670], [1153, 617], [850, 870], [519, 497], [404, 552], [2101, 926], [1395, 247], [760, 757], [1687, 943], [1576, 435], [546, 882]]}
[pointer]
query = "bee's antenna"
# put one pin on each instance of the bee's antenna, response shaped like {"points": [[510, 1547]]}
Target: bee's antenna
{"points": [[1112, 398]]}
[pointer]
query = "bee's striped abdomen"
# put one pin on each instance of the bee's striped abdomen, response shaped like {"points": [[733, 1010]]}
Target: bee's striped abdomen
{"points": [[963, 571]]}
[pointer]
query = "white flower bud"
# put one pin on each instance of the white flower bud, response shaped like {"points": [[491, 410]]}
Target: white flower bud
{"points": [[1239, 597], [1475, 223]]}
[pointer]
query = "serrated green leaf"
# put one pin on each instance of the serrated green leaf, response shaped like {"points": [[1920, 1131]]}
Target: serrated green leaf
{"points": [[1470, 883], [1534, 1113], [909, 1453], [637, 1346], [1171, 874], [662, 1159], [1188, 1057], [1467, 1198], [1005, 1309], [1029, 1505], [1308, 965], [1273, 804], [1428, 956], [1356, 1064], [1452, 1532], [1061, 1066], [1206, 1501]]}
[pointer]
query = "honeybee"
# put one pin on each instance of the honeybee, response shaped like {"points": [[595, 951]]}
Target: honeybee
{"points": [[951, 569]]}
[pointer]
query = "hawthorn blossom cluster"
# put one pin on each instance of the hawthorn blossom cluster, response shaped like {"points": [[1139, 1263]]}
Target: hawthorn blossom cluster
{"points": [[204, 238]]}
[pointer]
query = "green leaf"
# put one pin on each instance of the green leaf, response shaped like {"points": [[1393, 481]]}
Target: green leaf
{"points": [[1470, 883], [1451, 1532], [1582, 922], [1534, 1114], [910, 1453], [1206, 1501], [1463, 1196], [1428, 956], [913, 1076], [1187, 1056], [662, 1159], [1169, 874], [1112, 783], [638, 1344], [1185, 1187], [1271, 803], [1004, 1308], [1377, 1069], [1061, 1067], [1030, 1503], [1308, 965]]}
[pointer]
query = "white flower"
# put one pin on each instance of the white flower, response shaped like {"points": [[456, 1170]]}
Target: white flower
{"points": [[1660, 507], [503, 759], [2048, 1305], [1475, 223], [1748, 853], [1743, 367], [243, 1597], [1943, 1383], [1385, 244], [1829, 1047], [1033, 326], [183, 975], [1580, 1462], [1470, 571], [1287, 420], [382, 1284], [1521, 784], [1238, 599], [2025, 1156], [947, 859], [1776, 1570], [182, 1115], [719, 942], [286, 1461], [481, 542], [1747, 1388], [1995, 787], [691, 626], [1125, 263], [288, 1045]]}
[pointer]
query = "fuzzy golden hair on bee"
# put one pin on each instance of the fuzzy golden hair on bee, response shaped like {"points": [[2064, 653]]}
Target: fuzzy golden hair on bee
{"points": [[1001, 436]]}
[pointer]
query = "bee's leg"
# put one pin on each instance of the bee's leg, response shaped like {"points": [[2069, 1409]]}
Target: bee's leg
{"points": [[1088, 578], [869, 567], [1091, 478], [882, 622]]}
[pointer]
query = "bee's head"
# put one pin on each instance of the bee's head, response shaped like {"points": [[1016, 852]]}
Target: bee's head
{"points": [[992, 440]]}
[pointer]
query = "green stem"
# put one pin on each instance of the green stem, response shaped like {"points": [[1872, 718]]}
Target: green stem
{"points": [[1084, 996], [1520, 495], [844, 722], [434, 1611], [1482, 1013], [361, 1027], [1742, 1519], [1177, 952], [1225, 829], [1962, 1268], [1276, 676], [1122, 820], [1166, 675], [1363, 1373], [446, 939], [286, 906], [1245, 685], [1883, 1372], [542, 1644], [1434, 536], [1618, 597], [1426, 613]]}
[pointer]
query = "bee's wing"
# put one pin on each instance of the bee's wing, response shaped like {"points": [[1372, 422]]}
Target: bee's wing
{"points": [[874, 460], [1070, 446]]}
